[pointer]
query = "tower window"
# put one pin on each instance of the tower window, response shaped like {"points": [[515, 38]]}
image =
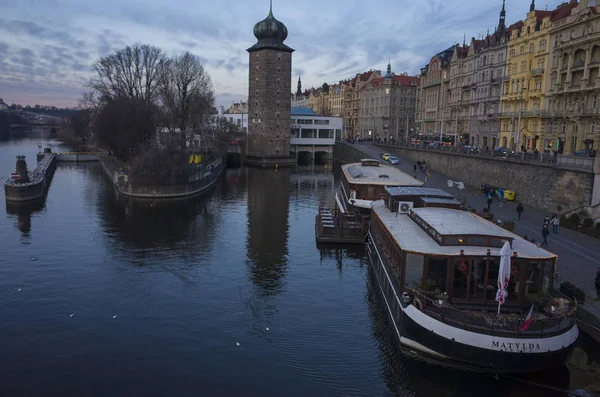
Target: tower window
{"points": [[278, 92], [278, 70], [257, 67], [277, 114]]}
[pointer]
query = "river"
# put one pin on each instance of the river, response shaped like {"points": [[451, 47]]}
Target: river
{"points": [[221, 295]]}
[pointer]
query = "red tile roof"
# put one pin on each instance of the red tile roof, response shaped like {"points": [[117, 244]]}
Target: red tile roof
{"points": [[563, 11], [401, 80]]}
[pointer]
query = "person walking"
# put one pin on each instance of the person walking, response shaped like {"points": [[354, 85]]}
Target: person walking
{"points": [[489, 202], [415, 168], [555, 224], [520, 210], [546, 221], [545, 233]]}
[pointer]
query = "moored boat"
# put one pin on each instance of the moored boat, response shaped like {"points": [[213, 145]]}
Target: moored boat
{"points": [[365, 182], [437, 269]]}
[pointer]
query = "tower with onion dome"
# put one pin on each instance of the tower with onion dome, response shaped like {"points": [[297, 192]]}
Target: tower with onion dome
{"points": [[270, 84]]}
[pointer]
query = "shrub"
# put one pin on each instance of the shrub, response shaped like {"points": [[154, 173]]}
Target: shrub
{"points": [[509, 225], [588, 222], [575, 218], [159, 168]]}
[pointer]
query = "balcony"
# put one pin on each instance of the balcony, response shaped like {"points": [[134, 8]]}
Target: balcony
{"points": [[466, 86], [594, 61], [495, 80], [506, 77], [537, 72]]}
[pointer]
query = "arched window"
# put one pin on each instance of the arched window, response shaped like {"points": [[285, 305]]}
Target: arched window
{"points": [[531, 47], [522, 50]]}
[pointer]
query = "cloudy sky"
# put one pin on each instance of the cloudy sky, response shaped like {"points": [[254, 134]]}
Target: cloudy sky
{"points": [[47, 46]]}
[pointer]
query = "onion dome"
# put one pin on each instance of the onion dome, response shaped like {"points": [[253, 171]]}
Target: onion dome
{"points": [[271, 34]]}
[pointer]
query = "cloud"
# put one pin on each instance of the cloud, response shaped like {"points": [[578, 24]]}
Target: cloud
{"points": [[47, 48]]}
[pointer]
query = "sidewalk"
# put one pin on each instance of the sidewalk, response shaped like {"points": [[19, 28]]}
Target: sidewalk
{"points": [[578, 254]]}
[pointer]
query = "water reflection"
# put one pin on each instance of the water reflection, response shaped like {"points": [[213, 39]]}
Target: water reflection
{"points": [[23, 212], [340, 252], [268, 206], [158, 224]]}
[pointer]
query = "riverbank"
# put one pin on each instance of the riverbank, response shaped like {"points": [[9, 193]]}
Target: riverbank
{"points": [[203, 178], [37, 185]]}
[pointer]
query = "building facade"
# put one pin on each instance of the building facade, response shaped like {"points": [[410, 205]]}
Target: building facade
{"points": [[351, 103], [387, 106], [456, 110], [433, 94], [268, 97], [573, 81], [525, 85], [336, 99], [488, 74]]}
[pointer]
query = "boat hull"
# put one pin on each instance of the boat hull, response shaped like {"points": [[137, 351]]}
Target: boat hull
{"points": [[446, 344]]}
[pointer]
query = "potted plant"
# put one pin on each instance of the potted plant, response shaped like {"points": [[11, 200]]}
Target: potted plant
{"points": [[572, 291]]}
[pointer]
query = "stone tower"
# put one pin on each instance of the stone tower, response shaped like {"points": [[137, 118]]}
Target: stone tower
{"points": [[270, 81]]}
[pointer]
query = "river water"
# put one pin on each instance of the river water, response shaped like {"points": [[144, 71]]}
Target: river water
{"points": [[221, 295]]}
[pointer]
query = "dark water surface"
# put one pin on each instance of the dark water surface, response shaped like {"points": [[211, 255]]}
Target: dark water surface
{"points": [[188, 281]]}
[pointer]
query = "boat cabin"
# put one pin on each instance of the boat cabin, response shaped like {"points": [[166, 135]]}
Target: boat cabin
{"points": [[455, 253], [419, 197], [366, 181]]}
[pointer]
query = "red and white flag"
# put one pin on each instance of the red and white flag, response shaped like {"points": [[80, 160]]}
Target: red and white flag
{"points": [[527, 321]]}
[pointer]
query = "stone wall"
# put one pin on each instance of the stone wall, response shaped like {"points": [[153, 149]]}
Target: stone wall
{"points": [[269, 104], [540, 185], [537, 184]]}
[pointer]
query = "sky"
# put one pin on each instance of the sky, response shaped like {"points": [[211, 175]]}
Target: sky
{"points": [[47, 47]]}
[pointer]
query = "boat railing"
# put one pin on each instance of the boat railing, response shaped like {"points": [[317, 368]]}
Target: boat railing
{"points": [[503, 324]]}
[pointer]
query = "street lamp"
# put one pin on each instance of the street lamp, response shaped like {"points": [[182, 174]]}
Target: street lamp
{"points": [[39, 145]]}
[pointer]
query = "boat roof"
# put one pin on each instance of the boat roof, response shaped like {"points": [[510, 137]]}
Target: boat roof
{"points": [[423, 192], [436, 200], [359, 174], [412, 238]]}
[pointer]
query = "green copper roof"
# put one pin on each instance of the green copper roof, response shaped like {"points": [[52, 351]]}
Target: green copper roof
{"points": [[270, 34]]}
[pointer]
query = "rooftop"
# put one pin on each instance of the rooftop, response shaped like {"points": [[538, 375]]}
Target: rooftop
{"points": [[412, 238], [417, 191], [302, 112], [381, 175]]}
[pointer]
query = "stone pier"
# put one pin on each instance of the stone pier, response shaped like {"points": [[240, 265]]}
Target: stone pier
{"points": [[26, 185]]}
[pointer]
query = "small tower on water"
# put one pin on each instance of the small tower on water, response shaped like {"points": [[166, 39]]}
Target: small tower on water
{"points": [[270, 81]]}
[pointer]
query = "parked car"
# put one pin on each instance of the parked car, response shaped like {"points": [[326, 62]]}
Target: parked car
{"points": [[385, 156], [433, 145], [583, 153], [502, 152], [486, 188], [394, 160], [470, 149]]}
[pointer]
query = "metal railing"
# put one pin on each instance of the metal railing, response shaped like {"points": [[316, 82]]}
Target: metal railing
{"points": [[491, 323], [558, 160]]}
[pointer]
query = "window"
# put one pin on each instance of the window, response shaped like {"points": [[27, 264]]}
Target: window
{"points": [[531, 47], [522, 50]]}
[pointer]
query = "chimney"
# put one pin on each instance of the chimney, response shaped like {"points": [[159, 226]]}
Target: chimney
{"points": [[21, 169]]}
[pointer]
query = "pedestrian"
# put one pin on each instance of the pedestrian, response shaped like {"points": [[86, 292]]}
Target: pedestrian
{"points": [[489, 203], [525, 238], [424, 163], [546, 221], [598, 285], [520, 210], [545, 233], [555, 224], [415, 168]]}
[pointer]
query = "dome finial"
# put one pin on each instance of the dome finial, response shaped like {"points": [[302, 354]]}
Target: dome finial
{"points": [[271, 8]]}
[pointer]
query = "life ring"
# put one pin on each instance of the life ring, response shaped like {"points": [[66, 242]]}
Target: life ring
{"points": [[462, 267], [417, 303]]}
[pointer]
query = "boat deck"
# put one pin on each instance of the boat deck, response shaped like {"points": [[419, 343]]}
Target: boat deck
{"points": [[333, 227]]}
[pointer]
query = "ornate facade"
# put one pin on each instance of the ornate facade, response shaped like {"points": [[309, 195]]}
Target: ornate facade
{"points": [[433, 96], [456, 110], [574, 81], [488, 74], [387, 106], [268, 97]]}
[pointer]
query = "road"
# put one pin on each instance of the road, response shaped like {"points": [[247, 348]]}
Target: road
{"points": [[578, 254]]}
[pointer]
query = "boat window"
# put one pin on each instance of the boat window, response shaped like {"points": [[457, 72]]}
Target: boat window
{"points": [[437, 274], [477, 241], [414, 271], [546, 275]]}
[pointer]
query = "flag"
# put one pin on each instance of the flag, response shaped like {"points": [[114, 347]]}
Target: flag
{"points": [[527, 321], [503, 274]]}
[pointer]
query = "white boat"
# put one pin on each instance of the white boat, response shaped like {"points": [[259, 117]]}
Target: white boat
{"points": [[363, 183], [437, 270]]}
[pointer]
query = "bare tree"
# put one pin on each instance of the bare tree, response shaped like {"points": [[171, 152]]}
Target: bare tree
{"points": [[186, 93], [131, 72]]}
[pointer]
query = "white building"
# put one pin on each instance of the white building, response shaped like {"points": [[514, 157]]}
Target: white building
{"points": [[311, 134]]}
